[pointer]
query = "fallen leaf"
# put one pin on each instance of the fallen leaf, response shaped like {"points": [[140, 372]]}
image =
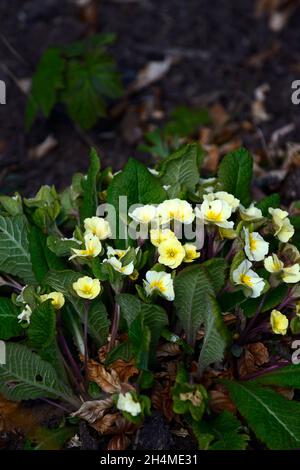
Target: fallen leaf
{"points": [[220, 401], [125, 370], [152, 72], [42, 149], [108, 381], [120, 442], [104, 424], [259, 352], [91, 411], [168, 349]]}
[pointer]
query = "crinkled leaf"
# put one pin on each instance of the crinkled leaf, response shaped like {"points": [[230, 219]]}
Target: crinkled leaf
{"points": [[9, 323], [181, 169], [14, 248], [41, 331], [274, 420], [235, 174], [25, 376], [90, 198], [98, 322], [216, 335]]}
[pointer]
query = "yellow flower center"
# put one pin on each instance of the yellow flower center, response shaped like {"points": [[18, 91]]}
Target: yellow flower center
{"points": [[252, 243], [87, 289], [171, 253], [245, 279], [158, 285], [214, 216]]}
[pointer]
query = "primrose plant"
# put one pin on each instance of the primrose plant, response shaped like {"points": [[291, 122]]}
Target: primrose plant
{"points": [[102, 314]]}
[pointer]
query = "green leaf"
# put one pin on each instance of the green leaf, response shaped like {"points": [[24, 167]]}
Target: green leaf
{"points": [[98, 322], [154, 317], [186, 121], [181, 169], [90, 197], [269, 201], [215, 271], [12, 205], [274, 420], [46, 82], [49, 439], [14, 249], [62, 281], [286, 376], [88, 83], [273, 298], [139, 186], [61, 247], [192, 285], [216, 336], [9, 323], [235, 174], [140, 336], [41, 331], [25, 376], [224, 430], [121, 351]]}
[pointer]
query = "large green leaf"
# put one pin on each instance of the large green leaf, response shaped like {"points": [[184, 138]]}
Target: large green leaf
{"points": [[216, 335], [235, 174], [14, 250], [139, 186], [153, 317], [274, 420], [42, 258], [98, 322], [192, 285], [223, 431], [46, 82], [181, 170], [26, 376], [286, 376], [88, 83], [41, 331], [90, 198], [9, 324]]}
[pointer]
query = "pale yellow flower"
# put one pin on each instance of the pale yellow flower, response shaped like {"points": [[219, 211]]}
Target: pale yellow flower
{"points": [[159, 282], [251, 213], [98, 226], [279, 322], [57, 299], [256, 247], [157, 236], [284, 230], [243, 275], [175, 209], [171, 253], [191, 253], [216, 212], [92, 248], [273, 264], [87, 288], [232, 201], [126, 403], [144, 214], [291, 274], [126, 270]]}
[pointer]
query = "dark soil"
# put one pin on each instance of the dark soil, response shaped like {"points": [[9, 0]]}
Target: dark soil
{"points": [[213, 40]]}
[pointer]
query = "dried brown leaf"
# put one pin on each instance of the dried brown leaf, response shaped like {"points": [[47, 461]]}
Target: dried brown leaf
{"points": [[259, 352], [91, 411], [106, 424], [168, 349], [152, 72], [220, 401], [124, 370], [108, 381], [120, 442]]}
